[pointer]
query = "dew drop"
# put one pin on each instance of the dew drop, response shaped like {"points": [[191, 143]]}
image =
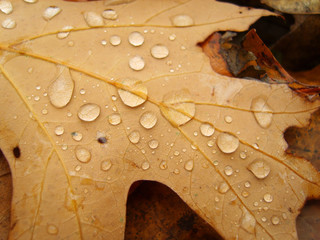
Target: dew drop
{"points": [[134, 137], [30, 1], [227, 143], [148, 120], [210, 143], [65, 33], [136, 63], [248, 222], [159, 51], [228, 170], [44, 111], [263, 219], [262, 112], [8, 23], [6, 6], [245, 194], [133, 92], [247, 184], [77, 168], [153, 144], [176, 153], [83, 155], [182, 21], [113, 98], [93, 19], [61, 89], [110, 14], [114, 119], [268, 198], [223, 187], [163, 165], [36, 98], [275, 220], [59, 130], [243, 155], [206, 129], [188, 165], [51, 12], [82, 91], [89, 112], [136, 39], [176, 171], [103, 42], [259, 168], [228, 119], [115, 40], [52, 229], [145, 166], [106, 165], [64, 147], [284, 216], [172, 37]]}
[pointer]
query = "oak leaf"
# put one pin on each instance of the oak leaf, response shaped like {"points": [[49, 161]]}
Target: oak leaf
{"points": [[96, 96]]}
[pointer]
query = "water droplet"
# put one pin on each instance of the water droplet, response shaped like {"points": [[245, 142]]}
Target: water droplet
{"points": [[93, 19], [44, 111], [284, 216], [9, 23], [206, 129], [247, 184], [65, 32], [172, 37], [176, 153], [103, 42], [89, 112], [227, 143], [145, 165], [30, 1], [223, 187], [263, 219], [182, 21], [228, 170], [61, 89], [188, 165], [134, 137], [163, 165], [136, 39], [245, 194], [52, 229], [256, 204], [64, 147], [268, 198], [256, 146], [6, 6], [275, 220], [113, 97], [136, 63], [178, 107], [259, 168], [248, 221], [76, 136], [51, 12], [83, 155], [59, 130], [105, 165], [159, 51], [148, 120], [38, 87], [82, 91], [70, 43], [77, 168], [114, 119], [36, 98], [110, 14], [115, 40], [132, 92], [228, 119], [243, 155], [262, 112], [153, 144]]}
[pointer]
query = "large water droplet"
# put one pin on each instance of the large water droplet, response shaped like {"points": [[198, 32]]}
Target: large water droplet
{"points": [[8, 23], [262, 112], [89, 112], [275, 220], [206, 129], [93, 19], [30, 1], [136, 63], [178, 107], [159, 51], [83, 154], [115, 40], [132, 92], [145, 165], [223, 187], [182, 21], [228, 170], [6, 6], [65, 32], [227, 143], [259, 168], [106, 165], [52, 229], [248, 221], [268, 198], [51, 12], [110, 14], [153, 144], [114, 119], [61, 89], [59, 130], [136, 39], [188, 165], [148, 120], [134, 137]]}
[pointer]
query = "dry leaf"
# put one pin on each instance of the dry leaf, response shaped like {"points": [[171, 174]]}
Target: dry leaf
{"points": [[141, 103], [295, 6]]}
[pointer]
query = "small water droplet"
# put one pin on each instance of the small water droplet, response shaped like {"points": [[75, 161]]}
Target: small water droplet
{"points": [[275, 220], [227, 143], [64, 147], [268, 198], [262, 112], [247, 184], [136, 63], [115, 40], [104, 42], [38, 87], [51, 12], [163, 165], [210, 143], [153, 144], [114, 119], [228, 119], [36, 98], [228, 170], [176, 153], [59, 130], [110, 14], [145, 165], [44, 111], [243, 155], [106, 165], [263, 219], [256, 204], [6, 6], [89, 112], [65, 33], [206, 129], [93, 19], [83, 154], [9, 23], [182, 21], [77, 168], [134, 92], [172, 37], [215, 163], [245, 194], [82, 91], [256, 146], [148, 120], [52, 229], [176, 171], [159, 51], [136, 39], [259, 168], [70, 43], [223, 187], [76, 136], [284, 216], [134, 137]]}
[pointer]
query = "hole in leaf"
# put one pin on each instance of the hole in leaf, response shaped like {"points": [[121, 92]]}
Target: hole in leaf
{"points": [[154, 211]]}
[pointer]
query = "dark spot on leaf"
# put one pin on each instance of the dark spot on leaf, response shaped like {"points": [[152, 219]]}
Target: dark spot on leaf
{"points": [[186, 222], [16, 152], [102, 140]]}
